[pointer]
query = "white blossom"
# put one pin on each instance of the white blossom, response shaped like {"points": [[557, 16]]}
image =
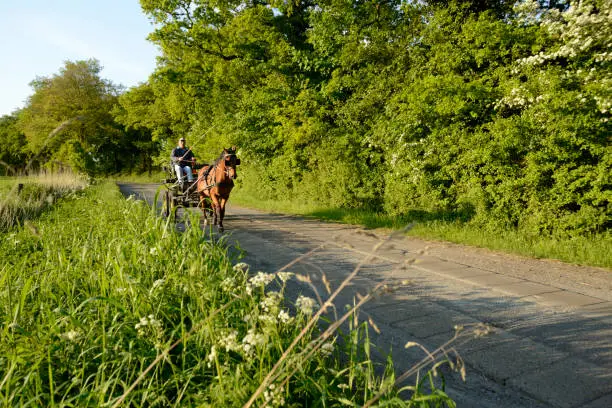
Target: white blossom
{"points": [[211, 356], [148, 321], [251, 341], [261, 278], [284, 317], [228, 284], [327, 349], [242, 267], [158, 284], [230, 341], [273, 396], [271, 301], [285, 276], [71, 335], [306, 305]]}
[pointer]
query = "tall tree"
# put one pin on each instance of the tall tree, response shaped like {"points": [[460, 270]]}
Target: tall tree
{"points": [[68, 121]]}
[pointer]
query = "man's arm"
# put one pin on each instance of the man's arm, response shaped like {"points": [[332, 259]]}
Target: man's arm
{"points": [[189, 156], [173, 156]]}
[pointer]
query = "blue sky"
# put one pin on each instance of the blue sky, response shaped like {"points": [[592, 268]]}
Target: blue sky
{"points": [[37, 36]]}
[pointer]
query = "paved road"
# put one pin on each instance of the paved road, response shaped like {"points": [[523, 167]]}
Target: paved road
{"points": [[552, 339]]}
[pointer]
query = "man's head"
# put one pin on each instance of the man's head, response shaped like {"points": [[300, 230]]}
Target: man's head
{"points": [[182, 142]]}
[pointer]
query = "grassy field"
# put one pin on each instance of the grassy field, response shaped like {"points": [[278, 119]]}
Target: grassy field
{"points": [[593, 251], [23, 198], [104, 303]]}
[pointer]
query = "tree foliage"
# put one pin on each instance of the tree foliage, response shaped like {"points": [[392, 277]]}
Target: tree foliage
{"points": [[69, 121], [499, 111], [12, 145]]}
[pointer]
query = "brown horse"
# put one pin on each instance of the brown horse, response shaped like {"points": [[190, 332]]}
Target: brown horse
{"points": [[217, 185]]}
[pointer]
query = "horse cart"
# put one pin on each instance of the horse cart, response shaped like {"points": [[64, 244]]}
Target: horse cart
{"points": [[179, 195], [210, 190]]}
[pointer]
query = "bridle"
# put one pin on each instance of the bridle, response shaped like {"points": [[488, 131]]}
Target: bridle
{"points": [[226, 158]]}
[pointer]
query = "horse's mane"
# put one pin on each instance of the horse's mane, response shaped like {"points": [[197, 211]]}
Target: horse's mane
{"points": [[223, 152]]}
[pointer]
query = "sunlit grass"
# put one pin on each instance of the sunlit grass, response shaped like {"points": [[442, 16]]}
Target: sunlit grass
{"points": [[24, 197]]}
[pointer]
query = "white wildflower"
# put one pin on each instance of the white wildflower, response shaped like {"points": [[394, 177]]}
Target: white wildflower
{"points": [[271, 301], [158, 284], [252, 340], [261, 279], [148, 321], [273, 396], [230, 341], [305, 304], [285, 276], [71, 335], [267, 319], [284, 317], [327, 349], [228, 284], [242, 267], [211, 356]]}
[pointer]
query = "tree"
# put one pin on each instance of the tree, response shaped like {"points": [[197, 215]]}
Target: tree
{"points": [[67, 121], [13, 147], [493, 109]]}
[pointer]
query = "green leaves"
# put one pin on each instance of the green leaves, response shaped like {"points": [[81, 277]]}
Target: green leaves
{"points": [[67, 120], [439, 106]]}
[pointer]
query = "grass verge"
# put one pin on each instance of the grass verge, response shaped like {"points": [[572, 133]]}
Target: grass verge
{"points": [[24, 198], [592, 251], [103, 303]]}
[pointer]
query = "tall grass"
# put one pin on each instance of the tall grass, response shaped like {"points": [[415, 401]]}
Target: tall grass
{"points": [[103, 303], [23, 198]]}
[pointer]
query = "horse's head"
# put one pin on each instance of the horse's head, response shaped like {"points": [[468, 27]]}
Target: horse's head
{"points": [[231, 161]]}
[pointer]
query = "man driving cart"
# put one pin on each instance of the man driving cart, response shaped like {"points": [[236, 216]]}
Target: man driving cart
{"points": [[183, 161]]}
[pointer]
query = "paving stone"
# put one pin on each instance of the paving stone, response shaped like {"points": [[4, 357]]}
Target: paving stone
{"points": [[396, 312], [597, 309], [426, 326], [458, 272], [525, 288], [588, 338], [492, 280], [511, 357], [603, 402], [567, 383], [564, 298]]}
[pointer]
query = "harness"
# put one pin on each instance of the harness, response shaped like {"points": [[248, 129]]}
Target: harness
{"points": [[212, 171]]}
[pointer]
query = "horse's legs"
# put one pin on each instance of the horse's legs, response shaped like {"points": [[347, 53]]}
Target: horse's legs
{"points": [[216, 210], [203, 208], [221, 213]]}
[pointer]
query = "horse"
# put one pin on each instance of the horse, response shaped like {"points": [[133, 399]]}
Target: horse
{"points": [[217, 185]]}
